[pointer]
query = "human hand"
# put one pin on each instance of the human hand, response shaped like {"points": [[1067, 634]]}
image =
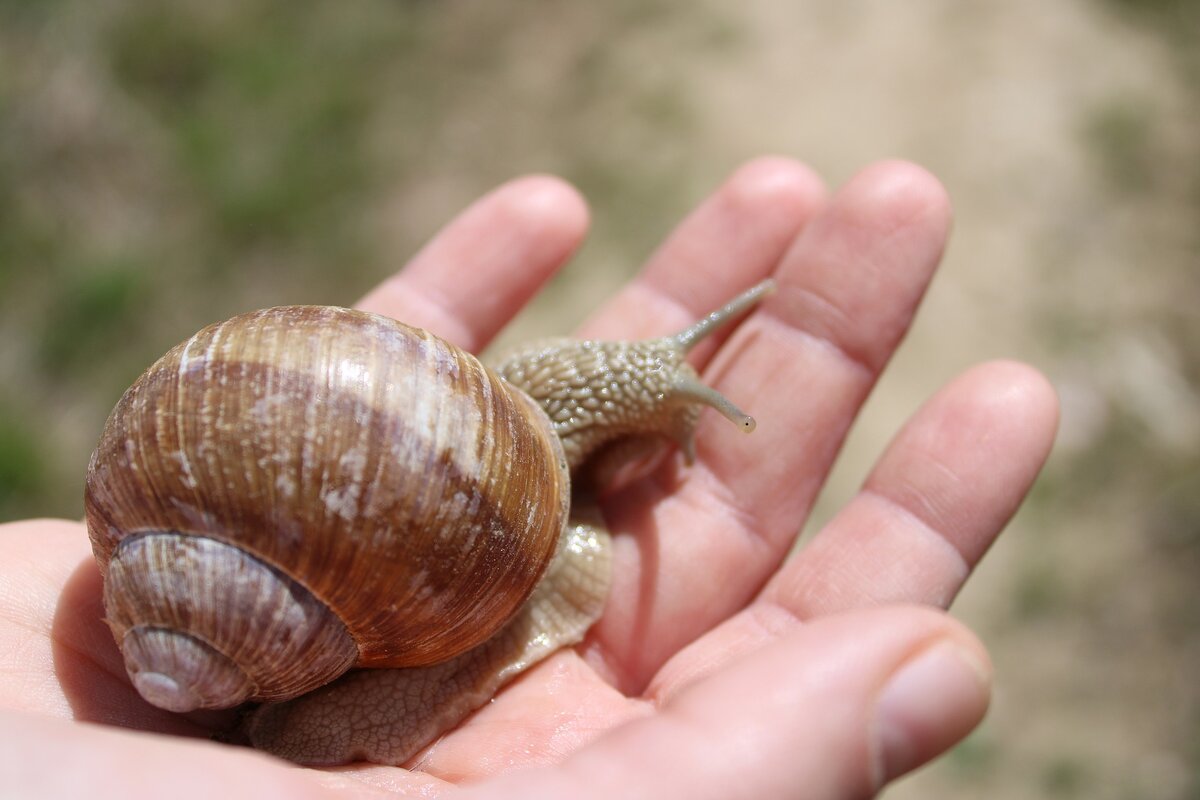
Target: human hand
{"points": [[718, 669]]}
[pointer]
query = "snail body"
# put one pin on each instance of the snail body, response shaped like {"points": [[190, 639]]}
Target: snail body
{"points": [[302, 490]]}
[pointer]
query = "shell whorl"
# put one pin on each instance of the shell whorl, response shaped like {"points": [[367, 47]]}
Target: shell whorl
{"points": [[203, 624], [428, 496]]}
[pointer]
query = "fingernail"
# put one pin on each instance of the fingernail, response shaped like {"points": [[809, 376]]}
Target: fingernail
{"points": [[933, 700]]}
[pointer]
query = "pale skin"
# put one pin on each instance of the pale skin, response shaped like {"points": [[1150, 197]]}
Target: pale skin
{"points": [[719, 668]]}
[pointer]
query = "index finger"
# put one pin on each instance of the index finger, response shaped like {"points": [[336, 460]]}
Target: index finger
{"points": [[478, 271]]}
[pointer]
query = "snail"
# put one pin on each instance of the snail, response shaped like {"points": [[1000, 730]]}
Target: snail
{"points": [[303, 490]]}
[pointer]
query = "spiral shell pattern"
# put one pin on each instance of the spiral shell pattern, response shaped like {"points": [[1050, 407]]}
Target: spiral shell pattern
{"points": [[408, 489]]}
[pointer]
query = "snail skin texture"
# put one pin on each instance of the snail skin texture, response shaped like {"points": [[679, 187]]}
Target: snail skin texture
{"points": [[304, 490]]}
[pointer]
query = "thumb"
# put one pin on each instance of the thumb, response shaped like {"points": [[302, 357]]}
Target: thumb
{"points": [[833, 709]]}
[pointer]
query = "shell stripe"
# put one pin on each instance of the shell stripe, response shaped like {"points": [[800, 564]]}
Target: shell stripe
{"points": [[354, 457]]}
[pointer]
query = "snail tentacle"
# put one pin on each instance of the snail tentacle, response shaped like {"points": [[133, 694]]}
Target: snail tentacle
{"points": [[697, 331], [599, 394]]}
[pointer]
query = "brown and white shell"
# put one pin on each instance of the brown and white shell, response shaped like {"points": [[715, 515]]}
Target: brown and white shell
{"points": [[303, 489]]}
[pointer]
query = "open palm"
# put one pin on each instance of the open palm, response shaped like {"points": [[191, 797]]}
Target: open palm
{"points": [[719, 669]]}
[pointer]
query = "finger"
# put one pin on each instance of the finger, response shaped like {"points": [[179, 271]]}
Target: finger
{"points": [[734, 239], [936, 500], [848, 289], [482, 267], [833, 710]]}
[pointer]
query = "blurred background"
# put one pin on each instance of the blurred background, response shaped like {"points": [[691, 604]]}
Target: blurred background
{"points": [[166, 165]]}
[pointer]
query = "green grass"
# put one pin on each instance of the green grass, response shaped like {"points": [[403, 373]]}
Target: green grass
{"points": [[239, 155], [267, 119], [1063, 776], [93, 313], [974, 757], [1120, 137], [1168, 13], [1039, 592], [24, 476]]}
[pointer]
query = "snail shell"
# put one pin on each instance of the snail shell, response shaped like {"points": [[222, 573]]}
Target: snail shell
{"points": [[300, 490]]}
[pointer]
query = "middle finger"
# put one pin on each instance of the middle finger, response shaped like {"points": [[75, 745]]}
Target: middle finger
{"points": [[848, 289]]}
